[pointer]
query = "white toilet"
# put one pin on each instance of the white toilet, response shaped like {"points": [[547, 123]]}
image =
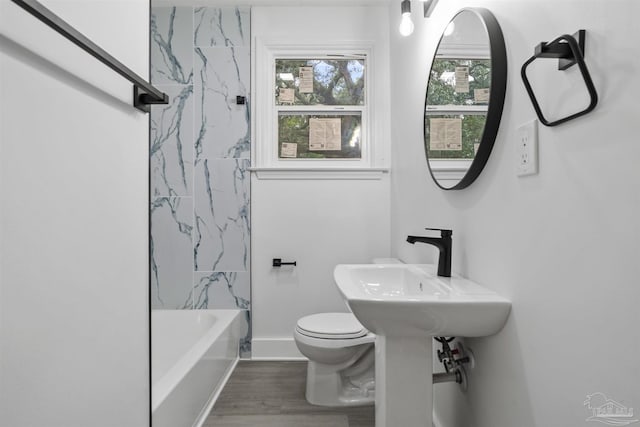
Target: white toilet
{"points": [[341, 368]]}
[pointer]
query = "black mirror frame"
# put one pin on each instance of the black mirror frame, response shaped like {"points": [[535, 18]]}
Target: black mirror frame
{"points": [[496, 102]]}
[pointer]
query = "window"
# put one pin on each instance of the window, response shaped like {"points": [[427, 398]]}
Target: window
{"points": [[319, 104], [313, 108]]}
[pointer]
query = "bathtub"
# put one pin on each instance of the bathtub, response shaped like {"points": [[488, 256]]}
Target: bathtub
{"points": [[193, 354]]}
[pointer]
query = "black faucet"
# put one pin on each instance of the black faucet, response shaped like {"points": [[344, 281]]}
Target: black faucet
{"points": [[443, 243]]}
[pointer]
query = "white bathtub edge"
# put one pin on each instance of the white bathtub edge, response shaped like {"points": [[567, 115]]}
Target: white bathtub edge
{"points": [[191, 400], [436, 421], [164, 386], [214, 397]]}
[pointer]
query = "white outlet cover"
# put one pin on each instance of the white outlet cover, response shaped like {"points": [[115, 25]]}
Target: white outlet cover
{"points": [[527, 149]]}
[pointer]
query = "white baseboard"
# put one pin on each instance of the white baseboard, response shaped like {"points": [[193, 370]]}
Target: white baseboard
{"points": [[275, 349]]}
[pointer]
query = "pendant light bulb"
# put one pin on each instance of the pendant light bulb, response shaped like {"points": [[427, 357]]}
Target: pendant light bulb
{"points": [[406, 24]]}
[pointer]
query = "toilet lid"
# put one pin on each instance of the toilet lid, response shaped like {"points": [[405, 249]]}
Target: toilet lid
{"points": [[331, 326]]}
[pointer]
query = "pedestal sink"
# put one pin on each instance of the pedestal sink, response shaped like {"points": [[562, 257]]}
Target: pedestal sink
{"points": [[406, 305]]}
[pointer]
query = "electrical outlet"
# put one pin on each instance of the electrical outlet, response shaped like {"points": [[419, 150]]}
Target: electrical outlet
{"points": [[527, 149]]}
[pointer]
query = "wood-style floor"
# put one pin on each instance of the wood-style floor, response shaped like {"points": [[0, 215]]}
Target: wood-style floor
{"points": [[271, 394]]}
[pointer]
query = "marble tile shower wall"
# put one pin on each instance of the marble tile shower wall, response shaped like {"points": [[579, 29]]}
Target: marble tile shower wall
{"points": [[200, 151]]}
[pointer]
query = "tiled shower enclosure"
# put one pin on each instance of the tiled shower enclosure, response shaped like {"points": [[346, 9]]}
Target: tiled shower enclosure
{"points": [[200, 151]]}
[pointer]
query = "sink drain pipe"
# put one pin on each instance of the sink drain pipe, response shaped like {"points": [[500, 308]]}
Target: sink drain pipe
{"points": [[448, 377], [453, 361]]}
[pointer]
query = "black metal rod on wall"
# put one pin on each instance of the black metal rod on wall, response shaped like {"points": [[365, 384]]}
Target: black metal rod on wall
{"points": [[144, 94]]}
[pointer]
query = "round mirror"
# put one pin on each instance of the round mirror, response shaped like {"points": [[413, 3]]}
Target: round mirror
{"points": [[465, 96]]}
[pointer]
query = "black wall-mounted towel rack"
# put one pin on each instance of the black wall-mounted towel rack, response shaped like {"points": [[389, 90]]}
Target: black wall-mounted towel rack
{"points": [[569, 52], [144, 94]]}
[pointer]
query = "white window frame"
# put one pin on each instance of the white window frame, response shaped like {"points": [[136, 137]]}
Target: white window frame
{"points": [[265, 112]]}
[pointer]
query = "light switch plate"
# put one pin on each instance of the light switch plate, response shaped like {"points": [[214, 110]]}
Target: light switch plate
{"points": [[527, 149]]}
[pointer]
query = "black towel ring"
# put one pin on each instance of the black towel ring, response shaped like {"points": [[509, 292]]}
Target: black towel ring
{"points": [[569, 51]]}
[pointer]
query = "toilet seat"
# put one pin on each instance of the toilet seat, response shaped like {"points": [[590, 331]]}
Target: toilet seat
{"points": [[331, 326]]}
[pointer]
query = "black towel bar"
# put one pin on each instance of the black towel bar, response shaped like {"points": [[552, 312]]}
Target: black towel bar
{"points": [[569, 51], [144, 94]]}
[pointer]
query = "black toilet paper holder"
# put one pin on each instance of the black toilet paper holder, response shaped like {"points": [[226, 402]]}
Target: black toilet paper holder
{"points": [[277, 262]]}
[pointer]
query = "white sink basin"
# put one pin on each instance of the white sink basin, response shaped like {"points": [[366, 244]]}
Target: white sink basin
{"points": [[405, 305], [411, 300]]}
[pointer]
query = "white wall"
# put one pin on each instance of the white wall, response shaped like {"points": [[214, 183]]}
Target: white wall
{"points": [[562, 245], [318, 223], [74, 346]]}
